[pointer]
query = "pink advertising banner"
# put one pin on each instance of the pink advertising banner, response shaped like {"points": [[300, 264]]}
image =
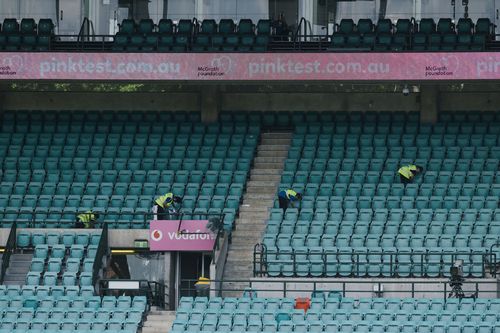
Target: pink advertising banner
{"points": [[250, 66], [186, 235]]}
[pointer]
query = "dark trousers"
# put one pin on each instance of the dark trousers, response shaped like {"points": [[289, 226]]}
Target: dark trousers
{"points": [[161, 213], [283, 203], [405, 180], [79, 225]]}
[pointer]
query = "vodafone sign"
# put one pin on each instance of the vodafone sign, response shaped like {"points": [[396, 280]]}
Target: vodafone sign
{"points": [[175, 235]]}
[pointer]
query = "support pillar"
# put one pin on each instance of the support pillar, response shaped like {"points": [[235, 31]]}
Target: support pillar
{"points": [[209, 104], [429, 104]]}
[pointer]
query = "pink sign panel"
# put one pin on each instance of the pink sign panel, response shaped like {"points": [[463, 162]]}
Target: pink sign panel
{"points": [[191, 235], [251, 66]]}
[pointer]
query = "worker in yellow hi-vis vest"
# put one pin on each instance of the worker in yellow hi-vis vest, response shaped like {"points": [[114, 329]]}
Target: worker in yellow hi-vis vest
{"points": [[166, 205], [288, 197], [408, 172], [86, 220]]}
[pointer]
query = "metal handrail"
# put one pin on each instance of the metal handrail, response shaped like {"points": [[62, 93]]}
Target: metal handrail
{"points": [[389, 258], [155, 292], [290, 287], [85, 26], [33, 222], [299, 26], [10, 246]]}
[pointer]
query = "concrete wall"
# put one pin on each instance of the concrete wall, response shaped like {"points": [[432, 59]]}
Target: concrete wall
{"points": [[101, 101], [238, 97]]}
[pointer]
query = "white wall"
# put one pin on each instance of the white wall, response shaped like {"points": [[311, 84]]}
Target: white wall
{"points": [[217, 9], [357, 10], [400, 8], [36, 9]]}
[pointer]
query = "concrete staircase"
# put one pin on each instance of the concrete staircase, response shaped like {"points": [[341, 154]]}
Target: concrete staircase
{"points": [[19, 267], [258, 199], [158, 321]]}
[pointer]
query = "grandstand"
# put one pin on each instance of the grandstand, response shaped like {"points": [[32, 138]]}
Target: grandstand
{"points": [[106, 106]]}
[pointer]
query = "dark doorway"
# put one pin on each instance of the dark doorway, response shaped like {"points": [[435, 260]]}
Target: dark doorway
{"points": [[137, 9], [290, 8], [192, 266]]}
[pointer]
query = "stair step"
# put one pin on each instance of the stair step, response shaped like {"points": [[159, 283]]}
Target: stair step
{"points": [[273, 153], [246, 242], [252, 209], [261, 183], [273, 147], [269, 165], [277, 135], [268, 171], [13, 282], [17, 270], [269, 187], [269, 159], [253, 219], [275, 141], [259, 195], [267, 178]]}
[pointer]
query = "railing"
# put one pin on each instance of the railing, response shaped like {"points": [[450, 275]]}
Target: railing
{"points": [[302, 22], [80, 43], [358, 288], [84, 33], [355, 263], [31, 220], [101, 253], [155, 292], [10, 246], [259, 259]]}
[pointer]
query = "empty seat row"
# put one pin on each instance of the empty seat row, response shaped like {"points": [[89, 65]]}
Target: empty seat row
{"points": [[29, 202], [388, 177], [41, 151], [426, 153], [26, 36], [381, 239], [146, 164], [322, 225], [127, 139], [313, 189], [334, 314], [392, 128], [403, 202], [336, 326], [391, 164], [68, 239], [73, 126], [14, 181], [27, 194], [407, 34], [67, 279], [31, 190], [36, 128], [72, 299], [397, 140], [114, 217], [189, 35], [332, 303], [41, 292]]}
